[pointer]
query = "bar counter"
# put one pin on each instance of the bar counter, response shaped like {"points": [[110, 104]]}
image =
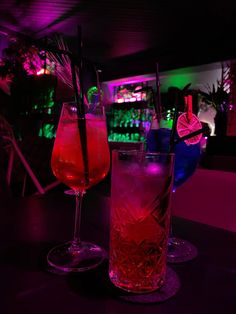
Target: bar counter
{"points": [[30, 226]]}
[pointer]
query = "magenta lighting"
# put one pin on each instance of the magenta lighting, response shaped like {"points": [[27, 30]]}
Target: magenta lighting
{"points": [[126, 95]]}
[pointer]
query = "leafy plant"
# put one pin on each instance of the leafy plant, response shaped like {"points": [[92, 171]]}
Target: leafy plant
{"points": [[216, 95], [62, 63], [25, 58]]}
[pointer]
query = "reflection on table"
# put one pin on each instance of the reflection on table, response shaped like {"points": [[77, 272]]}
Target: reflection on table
{"points": [[30, 226]]}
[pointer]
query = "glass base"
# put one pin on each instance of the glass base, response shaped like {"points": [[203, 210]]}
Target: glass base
{"points": [[69, 192], [66, 258], [169, 289], [180, 251]]}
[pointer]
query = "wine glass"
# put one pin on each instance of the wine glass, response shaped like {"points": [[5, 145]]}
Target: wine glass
{"points": [[80, 162], [186, 161]]}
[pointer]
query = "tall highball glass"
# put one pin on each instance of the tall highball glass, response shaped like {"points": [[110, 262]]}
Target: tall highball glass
{"points": [[140, 219]]}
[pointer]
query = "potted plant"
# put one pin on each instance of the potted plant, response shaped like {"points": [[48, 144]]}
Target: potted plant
{"points": [[219, 98]]}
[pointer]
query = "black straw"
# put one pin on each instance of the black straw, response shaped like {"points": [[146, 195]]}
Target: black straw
{"points": [[80, 107], [80, 100], [186, 137], [157, 104], [98, 86], [174, 125]]}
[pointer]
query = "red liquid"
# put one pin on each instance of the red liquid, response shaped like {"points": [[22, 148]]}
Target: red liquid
{"points": [[67, 162], [139, 231], [138, 266]]}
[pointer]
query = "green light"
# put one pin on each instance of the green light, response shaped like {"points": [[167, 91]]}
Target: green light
{"points": [[47, 130], [166, 124], [93, 90], [178, 78]]}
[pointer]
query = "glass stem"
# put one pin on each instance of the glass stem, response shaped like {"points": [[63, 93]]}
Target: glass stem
{"points": [[171, 237], [171, 229], [78, 204]]}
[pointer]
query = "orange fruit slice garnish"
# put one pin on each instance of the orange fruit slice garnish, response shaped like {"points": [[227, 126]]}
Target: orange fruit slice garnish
{"points": [[186, 126]]}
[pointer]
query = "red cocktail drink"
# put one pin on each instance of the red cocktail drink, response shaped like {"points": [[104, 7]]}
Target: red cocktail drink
{"points": [[67, 160], [140, 218]]}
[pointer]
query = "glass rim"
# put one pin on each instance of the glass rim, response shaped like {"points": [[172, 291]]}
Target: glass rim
{"points": [[70, 103], [136, 151], [97, 114]]}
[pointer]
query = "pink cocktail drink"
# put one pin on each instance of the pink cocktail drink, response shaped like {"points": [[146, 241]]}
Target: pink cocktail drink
{"points": [[140, 218], [67, 160], [80, 159]]}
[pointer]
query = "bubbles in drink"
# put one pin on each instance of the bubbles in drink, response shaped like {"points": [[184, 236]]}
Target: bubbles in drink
{"points": [[140, 222]]}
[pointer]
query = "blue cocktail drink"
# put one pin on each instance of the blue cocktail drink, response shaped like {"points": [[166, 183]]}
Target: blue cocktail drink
{"points": [[186, 161]]}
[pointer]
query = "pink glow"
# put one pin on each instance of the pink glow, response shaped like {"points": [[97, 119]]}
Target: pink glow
{"points": [[130, 99], [43, 71], [131, 80], [138, 42], [38, 15], [211, 196], [154, 168], [110, 85], [44, 15], [3, 33], [120, 100], [128, 95]]}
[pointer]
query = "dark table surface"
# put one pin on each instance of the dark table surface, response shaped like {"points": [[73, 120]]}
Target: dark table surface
{"points": [[30, 226]]}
